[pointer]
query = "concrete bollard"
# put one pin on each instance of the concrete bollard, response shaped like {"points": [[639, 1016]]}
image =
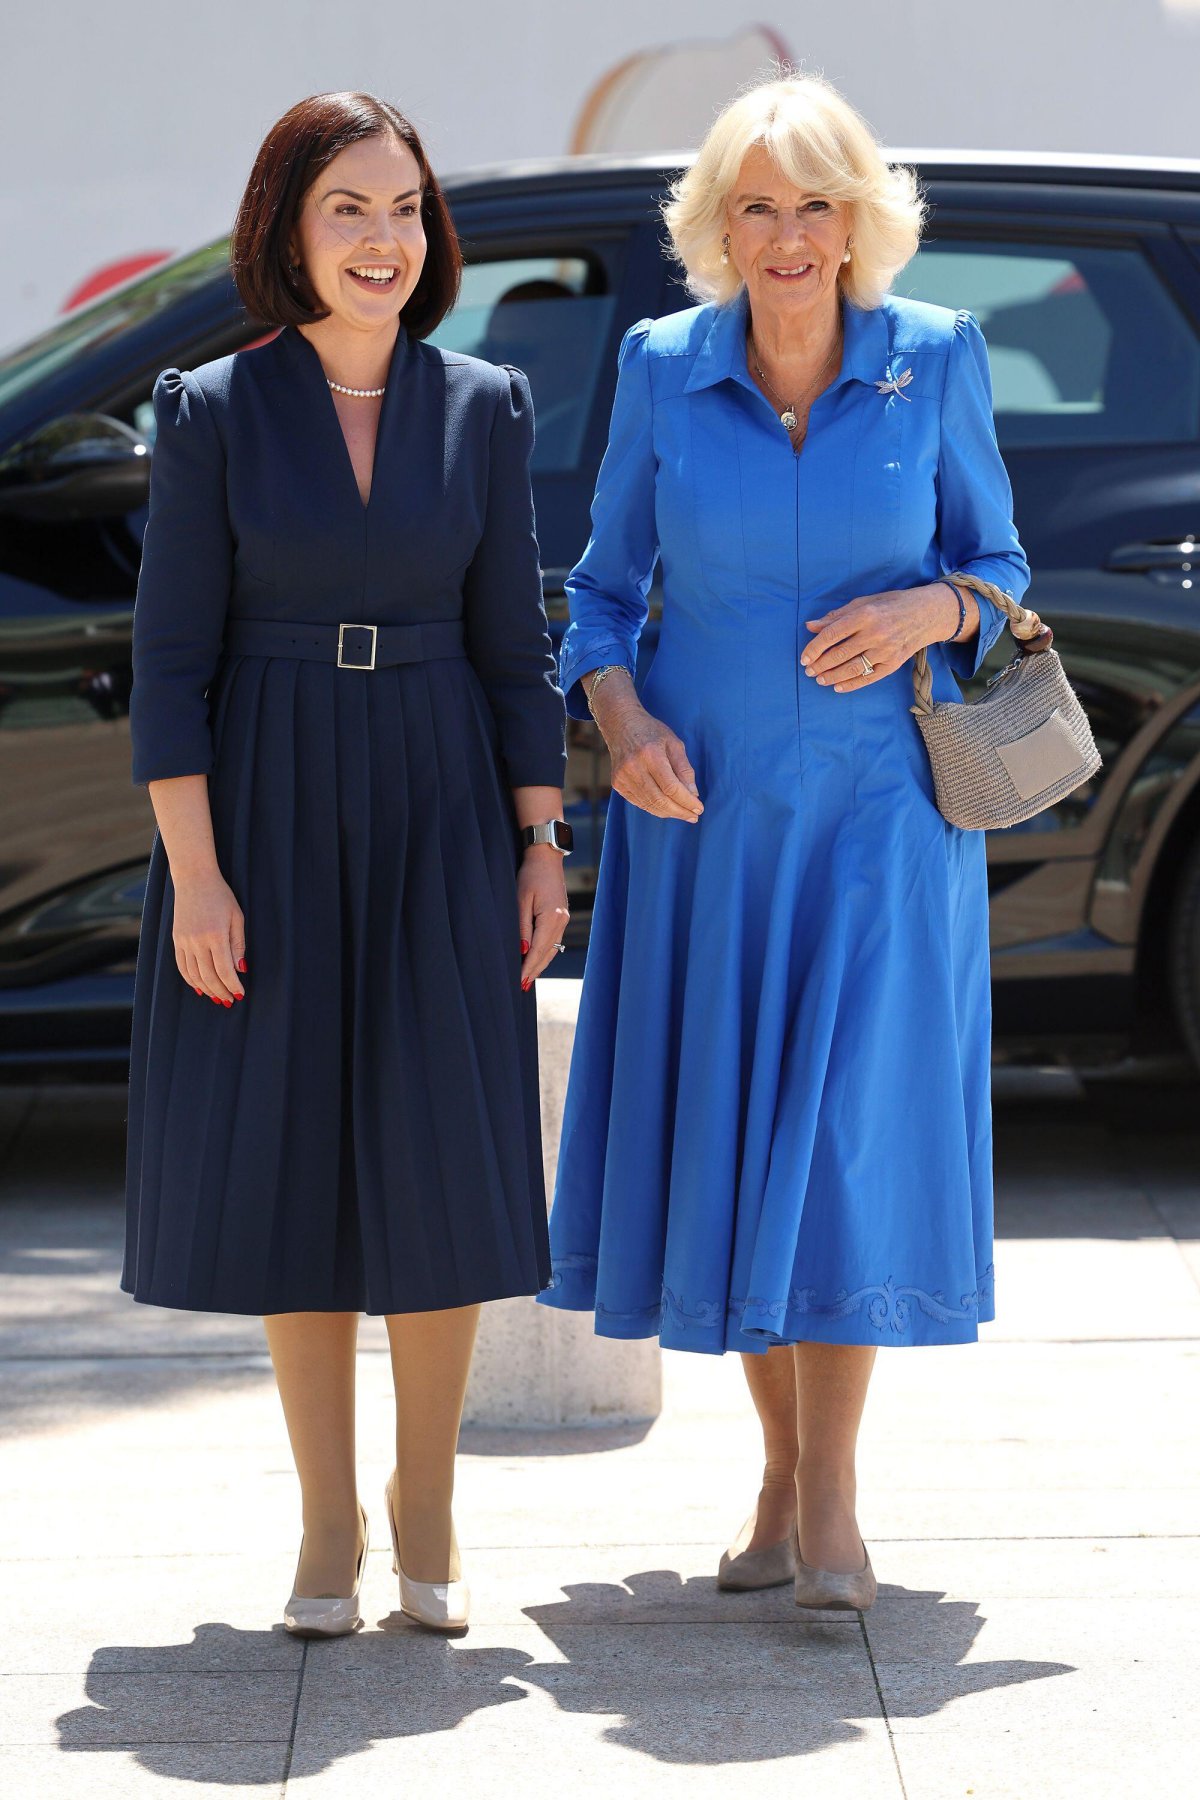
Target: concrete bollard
{"points": [[535, 1365]]}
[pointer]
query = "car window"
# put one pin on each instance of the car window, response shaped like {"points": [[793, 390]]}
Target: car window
{"points": [[1086, 345], [550, 316], [109, 316]]}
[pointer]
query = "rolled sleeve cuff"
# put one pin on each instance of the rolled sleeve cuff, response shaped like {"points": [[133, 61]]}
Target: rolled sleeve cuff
{"points": [[545, 768], [144, 774], [164, 754], [580, 654]]}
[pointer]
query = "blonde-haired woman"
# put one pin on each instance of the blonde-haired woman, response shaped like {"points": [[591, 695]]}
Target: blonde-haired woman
{"points": [[777, 1135]]}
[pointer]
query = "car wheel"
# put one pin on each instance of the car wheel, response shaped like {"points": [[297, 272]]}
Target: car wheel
{"points": [[1183, 951]]}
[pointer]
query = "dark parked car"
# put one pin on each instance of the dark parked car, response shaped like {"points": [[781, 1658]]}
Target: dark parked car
{"points": [[1085, 275]]}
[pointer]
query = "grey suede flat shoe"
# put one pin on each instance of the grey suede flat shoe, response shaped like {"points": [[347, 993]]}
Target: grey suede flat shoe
{"points": [[831, 1590], [769, 1567]]}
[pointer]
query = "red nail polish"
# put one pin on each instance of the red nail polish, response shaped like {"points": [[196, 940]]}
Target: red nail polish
{"points": [[525, 986], [524, 947], [242, 970], [227, 1003], [199, 991]]}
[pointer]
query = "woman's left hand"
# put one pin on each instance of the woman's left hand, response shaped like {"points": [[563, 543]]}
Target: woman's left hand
{"points": [[542, 908], [887, 629]]}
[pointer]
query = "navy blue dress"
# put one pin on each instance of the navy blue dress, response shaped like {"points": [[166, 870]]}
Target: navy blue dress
{"points": [[361, 1132]]}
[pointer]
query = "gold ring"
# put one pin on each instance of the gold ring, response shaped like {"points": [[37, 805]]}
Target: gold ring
{"points": [[868, 665]]}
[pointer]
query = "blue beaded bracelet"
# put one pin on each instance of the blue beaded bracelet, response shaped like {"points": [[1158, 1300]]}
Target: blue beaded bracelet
{"points": [[962, 613]]}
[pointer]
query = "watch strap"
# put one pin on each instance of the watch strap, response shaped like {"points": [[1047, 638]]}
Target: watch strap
{"points": [[552, 831]]}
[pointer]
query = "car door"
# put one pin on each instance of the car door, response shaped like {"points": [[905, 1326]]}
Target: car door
{"points": [[73, 830], [75, 419], [1092, 328]]}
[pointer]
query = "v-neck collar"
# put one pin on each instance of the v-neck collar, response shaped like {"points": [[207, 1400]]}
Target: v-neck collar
{"points": [[866, 347], [310, 367]]}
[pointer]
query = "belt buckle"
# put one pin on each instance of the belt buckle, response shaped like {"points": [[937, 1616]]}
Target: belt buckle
{"points": [[345, 626]]}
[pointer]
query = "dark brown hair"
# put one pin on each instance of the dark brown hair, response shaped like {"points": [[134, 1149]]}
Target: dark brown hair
{"points": [[293, 154]]}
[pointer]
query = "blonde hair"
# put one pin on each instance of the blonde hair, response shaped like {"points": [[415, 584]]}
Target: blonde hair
{"points": [[817, 142]]}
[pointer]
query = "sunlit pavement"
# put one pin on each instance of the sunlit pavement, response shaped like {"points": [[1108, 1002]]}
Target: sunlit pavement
{"points": [[1031, 1505]]}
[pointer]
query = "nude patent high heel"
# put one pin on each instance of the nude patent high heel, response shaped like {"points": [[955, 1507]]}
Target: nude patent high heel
{"points": [[327, 1615], [441, 1605]]}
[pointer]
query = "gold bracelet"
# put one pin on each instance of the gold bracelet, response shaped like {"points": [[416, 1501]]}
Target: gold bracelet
{"points": [[597, 678]]}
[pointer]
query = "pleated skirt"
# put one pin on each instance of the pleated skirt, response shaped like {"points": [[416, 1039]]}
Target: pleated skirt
{"points": [[362, 1131]]}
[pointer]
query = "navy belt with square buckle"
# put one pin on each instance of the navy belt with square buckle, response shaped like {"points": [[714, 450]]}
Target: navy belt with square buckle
{"points": [[346, 645]]}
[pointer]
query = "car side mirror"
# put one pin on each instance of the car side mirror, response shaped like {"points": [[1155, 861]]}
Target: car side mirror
{"points": [[82, 466]]}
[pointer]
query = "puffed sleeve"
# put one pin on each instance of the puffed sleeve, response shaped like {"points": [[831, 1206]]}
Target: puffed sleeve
{"points": [[506, 632], [183, 587], [975, 524], [608, 586]]}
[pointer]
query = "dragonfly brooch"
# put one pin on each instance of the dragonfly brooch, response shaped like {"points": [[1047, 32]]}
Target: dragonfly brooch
{"points": [[894, 384]]}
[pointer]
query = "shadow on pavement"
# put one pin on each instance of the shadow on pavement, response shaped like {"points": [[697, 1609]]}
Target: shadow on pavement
{"points": [[694, 1676], [754, 1687], [332, 1702]]}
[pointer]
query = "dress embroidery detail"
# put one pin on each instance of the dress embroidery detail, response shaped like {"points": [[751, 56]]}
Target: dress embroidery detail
{"points": [[888, 1305]]}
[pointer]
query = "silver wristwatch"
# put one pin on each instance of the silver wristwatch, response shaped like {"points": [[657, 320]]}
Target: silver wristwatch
{"points": [[554, 831]]}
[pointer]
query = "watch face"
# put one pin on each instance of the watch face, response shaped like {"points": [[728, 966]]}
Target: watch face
{"points": [[554, 831]]}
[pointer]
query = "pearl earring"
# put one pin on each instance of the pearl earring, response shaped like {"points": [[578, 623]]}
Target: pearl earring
{"points": [[846, 258], [725, 249]]}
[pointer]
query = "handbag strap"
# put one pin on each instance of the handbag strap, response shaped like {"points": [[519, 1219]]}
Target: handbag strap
{"points": [[1022, 622]]}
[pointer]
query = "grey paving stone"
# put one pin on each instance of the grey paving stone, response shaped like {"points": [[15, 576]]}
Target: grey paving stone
{"points": [[1177, 1200], [103, 1710], [1189, 1250], [1013, 1509], [60, 1292], [147, 1402], [653, 1701], [161, 1602], [570, 1654], [187, 1615], [604, 1586], [206, 1772], [533, 1750], [1134, 1287], [1028, 1641], [1033, 1569], [950, 1666], [1102, 1760]]}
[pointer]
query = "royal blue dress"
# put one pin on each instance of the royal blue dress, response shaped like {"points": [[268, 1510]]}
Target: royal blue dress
{"points": [[362, 1131], [777, 1126]]}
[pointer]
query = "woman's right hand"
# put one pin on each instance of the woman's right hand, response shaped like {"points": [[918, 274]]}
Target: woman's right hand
{"points": [[650, 766], [209, 934]]}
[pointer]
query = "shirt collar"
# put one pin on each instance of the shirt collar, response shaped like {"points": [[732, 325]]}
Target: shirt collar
{"points": [[866, 346]]}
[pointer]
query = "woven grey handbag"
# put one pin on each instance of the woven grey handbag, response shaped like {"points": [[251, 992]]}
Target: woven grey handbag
{"points": [[1023, 745]]}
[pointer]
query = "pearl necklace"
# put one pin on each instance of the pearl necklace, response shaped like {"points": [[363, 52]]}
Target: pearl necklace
{"points": [[359, 393]]}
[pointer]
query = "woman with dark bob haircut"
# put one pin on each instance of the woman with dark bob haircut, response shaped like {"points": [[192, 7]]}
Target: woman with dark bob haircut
{"points": [[345, 710]]}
